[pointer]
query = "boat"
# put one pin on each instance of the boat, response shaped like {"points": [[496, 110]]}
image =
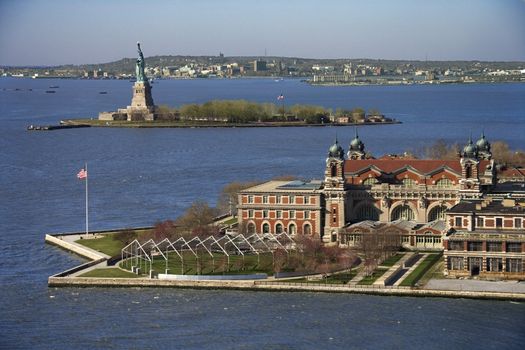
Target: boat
{"points": [[103, 92], [54, 87], [50, 91]]}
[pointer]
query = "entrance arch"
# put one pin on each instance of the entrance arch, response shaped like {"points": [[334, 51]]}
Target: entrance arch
{"points": [[366, 211], [437, 213], [403, 212]]}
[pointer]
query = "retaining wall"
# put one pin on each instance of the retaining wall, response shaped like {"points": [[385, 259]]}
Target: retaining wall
{"points": [[76, 248]]}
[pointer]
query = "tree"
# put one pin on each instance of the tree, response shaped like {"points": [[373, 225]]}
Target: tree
{"points": [[125, 236], [197, 220], [502, 153], [228, 198]]}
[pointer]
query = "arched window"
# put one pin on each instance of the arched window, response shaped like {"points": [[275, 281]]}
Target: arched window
{"points": [[408, 182], [266, 228], [444, 183], [278, 228], [292, 229], [251, 228], [403, 212], [370, 181], [333, 170], [437, 213], [367, 212], [468, 171], [307, 229]]}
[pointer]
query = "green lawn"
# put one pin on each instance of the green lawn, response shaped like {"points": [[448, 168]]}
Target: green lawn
{"points": [[392, 260], [368, 280], [106, 244], [109, 273], [420, 270], [229, 222], [206, 265]]}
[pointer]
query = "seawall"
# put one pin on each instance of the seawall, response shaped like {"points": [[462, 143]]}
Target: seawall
{"points": [[272, 286]]}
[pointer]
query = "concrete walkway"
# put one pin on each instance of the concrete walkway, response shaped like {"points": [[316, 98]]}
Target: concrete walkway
{"points": [[475, 285]]}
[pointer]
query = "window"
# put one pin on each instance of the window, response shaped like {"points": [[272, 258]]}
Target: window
{"points": [[307, 199], [455, 245], [405, 239], [265, 214], [333, 170], [292, 214], [370, 181], [367, 212], [291, 229], [444, 183], [250, 199], [420, 239], [403, 212], [455, 263], [459, 220], [292, 199], [514, 265], [480, 222], [513, 247], [251, 228], [279, 214], [437, 213], [250, 213], [494, 264], [307, 214], [474, 246], [517, 222], [499, 222], [468, 171], [493, 246], [266, 228], [265, 200], [279, 228], [278, 199], [307, 229], [408, 182]]}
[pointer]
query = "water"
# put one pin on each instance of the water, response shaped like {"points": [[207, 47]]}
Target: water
{"points": [[140, 176]]}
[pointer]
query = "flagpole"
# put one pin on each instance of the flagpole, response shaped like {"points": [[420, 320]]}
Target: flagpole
{"points": [[87, 212]]}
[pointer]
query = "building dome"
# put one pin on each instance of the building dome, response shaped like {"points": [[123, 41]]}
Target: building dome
{"points": [[336, 151], [356, 144], [470, 150], [483, 144]]}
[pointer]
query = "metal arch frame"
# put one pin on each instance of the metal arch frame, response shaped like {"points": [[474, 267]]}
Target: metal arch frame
{"points": [[169, 244], [260, 239]]}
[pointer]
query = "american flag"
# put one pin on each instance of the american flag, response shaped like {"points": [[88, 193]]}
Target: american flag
{"points": [[82, 174], [280, 97]]}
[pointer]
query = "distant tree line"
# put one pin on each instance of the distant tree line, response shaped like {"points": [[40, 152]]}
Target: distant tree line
{"points": [[242, 111]]}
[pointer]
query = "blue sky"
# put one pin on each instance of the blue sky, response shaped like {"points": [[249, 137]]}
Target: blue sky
{"points": [[38, 32]]}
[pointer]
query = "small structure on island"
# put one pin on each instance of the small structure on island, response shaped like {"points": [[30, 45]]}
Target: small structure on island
{"points": [[142, 106]]}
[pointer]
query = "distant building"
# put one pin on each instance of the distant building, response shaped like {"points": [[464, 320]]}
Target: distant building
{"points": [[259, 66]]}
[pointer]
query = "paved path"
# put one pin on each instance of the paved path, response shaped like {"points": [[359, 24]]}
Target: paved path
{"points": [[476, 286]]}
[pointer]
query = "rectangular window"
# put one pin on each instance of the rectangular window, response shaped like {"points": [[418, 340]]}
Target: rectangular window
{"points": [[493, 246], [307, 214], [265, 214], [278, 199], [474, 246], [292, 199], [499, 222], [250, 199], [406, 239], [437, 240], [306, 199], [420, 239], [517, 222], [292, 214], [455, 245], [514, 265], [494, 264], [279, 214], [513, 247], [265, 200], [480, 222], [250, 213], [459, 221], [455, 263]]}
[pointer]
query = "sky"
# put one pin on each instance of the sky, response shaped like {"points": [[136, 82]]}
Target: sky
{"points": [[43, 32]]}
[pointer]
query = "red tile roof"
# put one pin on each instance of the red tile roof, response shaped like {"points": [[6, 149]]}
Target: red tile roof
{"points": [[423, 166]]}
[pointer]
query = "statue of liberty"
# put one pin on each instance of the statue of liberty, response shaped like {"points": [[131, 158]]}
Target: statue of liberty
{"points": [[139, 69]]}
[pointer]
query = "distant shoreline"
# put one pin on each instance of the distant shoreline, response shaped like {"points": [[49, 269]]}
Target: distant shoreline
{"points": [[177, 124]]}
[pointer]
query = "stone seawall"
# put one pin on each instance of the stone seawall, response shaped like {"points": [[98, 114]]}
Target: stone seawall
{"points": [[281, 287], [76, 248]]}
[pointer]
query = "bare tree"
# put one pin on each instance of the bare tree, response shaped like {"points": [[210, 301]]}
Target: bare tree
{"points": [[197, 220], [125, 236]]}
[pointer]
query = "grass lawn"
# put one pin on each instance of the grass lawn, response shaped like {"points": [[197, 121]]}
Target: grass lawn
{"points": [[420, 270], [229, 222], [392, 260], [109, 273], [206, 265], [368, 280], [106, 244]]}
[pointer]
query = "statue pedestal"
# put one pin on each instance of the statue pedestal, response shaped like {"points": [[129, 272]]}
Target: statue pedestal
{"points": [[142, 106]]}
